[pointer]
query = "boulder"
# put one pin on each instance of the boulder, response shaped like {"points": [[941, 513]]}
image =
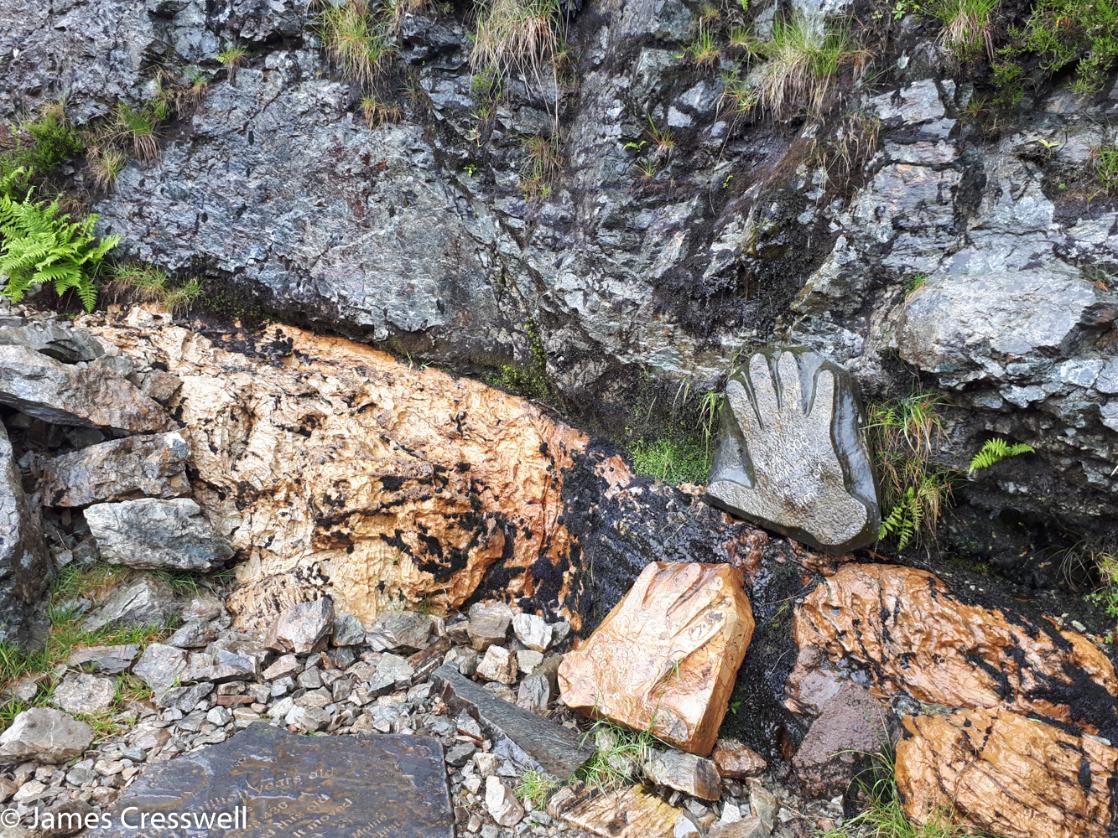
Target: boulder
{"points": [[54, 337], [43, 734], [489, 624], [498, 664], [143, 601], [150, 533], [533, 631], [406, 631], [84, 694], [25, 563], [1001, 773], [88, 395], [791, 456], [303, 628], [108, 660], [851, 726], [162, 666], [877, 618], [152, 465], [627, 812], [666, 657]]}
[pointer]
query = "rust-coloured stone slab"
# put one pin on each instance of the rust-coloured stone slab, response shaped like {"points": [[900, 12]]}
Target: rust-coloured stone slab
{"points": [[344, 786], [1001, 773], [625, 813], [910, 634], [666, 656]]}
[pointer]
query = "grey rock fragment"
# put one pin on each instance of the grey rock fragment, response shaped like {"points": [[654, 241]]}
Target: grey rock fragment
{"points": [[150, 533], [143, 601], [152, 465], [44, 735], [303, 628]]}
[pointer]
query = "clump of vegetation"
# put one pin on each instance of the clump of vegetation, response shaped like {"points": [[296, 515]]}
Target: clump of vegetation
{"points": [[136, 126], [41, 145], [42, 246], [517, 37], [1061, 34], [148, 284], [902, 435], [67, 635], [966, 26], [1106, 597], [535, 788], [230, 58], [529, 380], [357, 42], [847, 150], [542, 165], [1105, 165], [801, 63], [704, 49], [671, 459], [884, 816], [378, 112], [995, 450], [618, 757], [105, 165]]}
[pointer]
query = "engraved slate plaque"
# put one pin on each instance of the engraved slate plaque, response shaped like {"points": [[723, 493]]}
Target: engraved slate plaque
{"points": [[275, 784]]}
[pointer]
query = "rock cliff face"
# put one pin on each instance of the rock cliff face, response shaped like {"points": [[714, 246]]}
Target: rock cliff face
{"points": [[419, 233]]}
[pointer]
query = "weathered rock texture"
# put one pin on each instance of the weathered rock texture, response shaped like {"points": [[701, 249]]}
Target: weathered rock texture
{"points": [[666, 657], [25, 564], [1003, 773], [910, 634], [88, 395], [138, 466], [792, 457], [150, 533]]}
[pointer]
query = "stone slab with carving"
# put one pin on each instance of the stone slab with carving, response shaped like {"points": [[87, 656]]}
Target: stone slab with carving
{"points": [[297, 785], [791, 457], [1001, 773], [665, 658]]}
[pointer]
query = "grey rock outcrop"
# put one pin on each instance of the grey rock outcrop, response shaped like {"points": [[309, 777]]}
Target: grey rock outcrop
{"points": [[150, 533], [144, 601], [44, 735], [25, 564], [56, 338], [88, 395], [138, 466], [791, 456]]}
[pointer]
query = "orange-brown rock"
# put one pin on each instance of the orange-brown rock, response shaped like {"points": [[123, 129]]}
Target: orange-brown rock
{"points": [[1001, 773], [910, 634], [336, 469], [628, 812], [666, 656]]}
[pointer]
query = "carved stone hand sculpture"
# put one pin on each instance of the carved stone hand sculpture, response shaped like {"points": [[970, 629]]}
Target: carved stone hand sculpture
{"points": [[780, 459]]}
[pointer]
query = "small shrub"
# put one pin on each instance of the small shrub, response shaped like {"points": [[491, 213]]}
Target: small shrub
{"points": [[801, 63], [1066, 33], [516, 37], [42, 246], [966, 25], [40, 146], [357, 44]]}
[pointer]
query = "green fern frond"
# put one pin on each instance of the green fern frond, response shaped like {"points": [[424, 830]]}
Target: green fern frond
{"points": [[995, 450]]}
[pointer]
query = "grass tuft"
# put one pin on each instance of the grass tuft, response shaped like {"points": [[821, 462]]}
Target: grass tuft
{"points": [[542, 166], [105, 165], [618, 757], [516, 37], [802, 60], [137, 126], [148, 284], [671, 459], [535, 788], [966, 26], [230, 58], [357, 43]]}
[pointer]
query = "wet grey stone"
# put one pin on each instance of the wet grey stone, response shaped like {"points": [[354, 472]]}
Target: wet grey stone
{"points": [[303, 628], [143, 601], [791, 456], [150, 533], [304, 785], [44, 735], [684, 772], [56, 338], [152, 465], [108, 660], [24, 560], [88, 395], [80, 693], [534, 742], [348, 631]]}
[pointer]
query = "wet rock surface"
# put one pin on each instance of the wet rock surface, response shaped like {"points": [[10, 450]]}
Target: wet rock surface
{"points": [[791, 457], [1007, 774], [665, 658], [137, 466]]}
